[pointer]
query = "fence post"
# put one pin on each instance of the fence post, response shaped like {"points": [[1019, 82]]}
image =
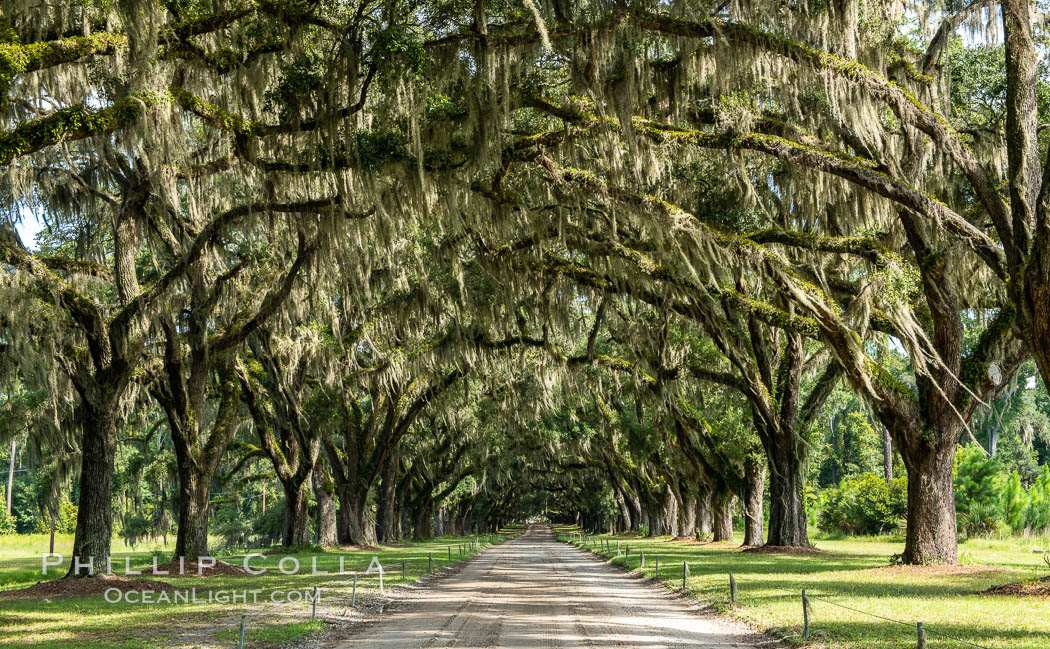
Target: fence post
{"points": [[642, 565], [732, 589], [922, 635], [685, 574], [313, 614], [402, 571], [805, 614], [430, 561], [450, 554], [381, 580], [617, 548], [657, 566], [240, 642]]}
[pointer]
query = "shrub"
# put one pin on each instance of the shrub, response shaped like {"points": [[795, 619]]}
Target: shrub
{"points": [[865, 504], [67, 518], [1039, 501], [1015, 503], [7, 522]]}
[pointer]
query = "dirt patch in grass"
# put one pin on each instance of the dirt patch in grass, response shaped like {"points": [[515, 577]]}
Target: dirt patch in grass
{"points": [[783, 549], [87, 586], [1030, 588], [352, 548], [696, 541], [935, 571], [220, 569]]}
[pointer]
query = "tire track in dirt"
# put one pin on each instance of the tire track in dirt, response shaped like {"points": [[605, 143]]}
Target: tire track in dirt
{"points": [[536, 593]]}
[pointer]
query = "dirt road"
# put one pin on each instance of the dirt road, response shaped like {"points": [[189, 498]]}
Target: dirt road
{"points": [[535, 592]]}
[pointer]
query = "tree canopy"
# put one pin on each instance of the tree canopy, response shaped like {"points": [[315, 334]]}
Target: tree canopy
{"points": [[447, 262]]}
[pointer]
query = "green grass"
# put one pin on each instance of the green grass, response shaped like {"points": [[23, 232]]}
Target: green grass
{"points": [[855, 573], [93, 623]]}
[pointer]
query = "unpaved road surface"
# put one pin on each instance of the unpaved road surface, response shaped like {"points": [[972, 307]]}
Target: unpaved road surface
{"points": [[534, 592]]}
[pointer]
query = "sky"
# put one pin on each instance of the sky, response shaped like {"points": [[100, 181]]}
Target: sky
{"points": [[28, 229]]}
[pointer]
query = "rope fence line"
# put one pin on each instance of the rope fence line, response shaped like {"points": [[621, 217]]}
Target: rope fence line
{"points": [[603, 545]]}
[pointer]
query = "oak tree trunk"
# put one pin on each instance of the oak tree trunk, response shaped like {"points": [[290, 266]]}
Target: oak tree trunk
{"points": [[356, 524], [755, 484], [931, 536], [386, 522], [687, 518], [324, 490], [296, 517], [95, 510], [787, 504], [191, 540], [723, 515], [704, 513]]}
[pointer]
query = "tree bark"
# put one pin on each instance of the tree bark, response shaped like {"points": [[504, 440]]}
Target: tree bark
{"points": [[723, 516], [887, 454], [95, 510], [324, 491], [704, 517], [296, 516], [755, 482], [356, 525], [670, 518], [10, 476], [386, 522], [931, 536], [687, 519], [787, 505], [191, 540], [625, 512]]}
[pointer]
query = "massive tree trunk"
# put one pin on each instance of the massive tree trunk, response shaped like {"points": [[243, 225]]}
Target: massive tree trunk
{"points": [[687, 518], [787, 504], [386, 521], [421, 527], [931, 536], [296, 529], [191, 541], [670, 518], [625, 512], [723, 515], [324, 492], [704, 513], [356, 523], [95, 511], [196, 457], [754, 483]]}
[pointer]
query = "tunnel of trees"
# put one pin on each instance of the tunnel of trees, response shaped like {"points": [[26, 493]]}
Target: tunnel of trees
{"points": [[351, 271]]}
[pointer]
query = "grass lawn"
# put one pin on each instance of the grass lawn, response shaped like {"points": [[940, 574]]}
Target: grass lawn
{"points": [[279, 610], [855, 573]]}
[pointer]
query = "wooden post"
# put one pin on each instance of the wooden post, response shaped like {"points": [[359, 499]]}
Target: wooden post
{"points": [[685, 574], [642, 565], [450, 554], [313, 615], [805, 614], [353, 598], [922, 635], [657, 566], [402, 571], [732, 589], [430, 561]]}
